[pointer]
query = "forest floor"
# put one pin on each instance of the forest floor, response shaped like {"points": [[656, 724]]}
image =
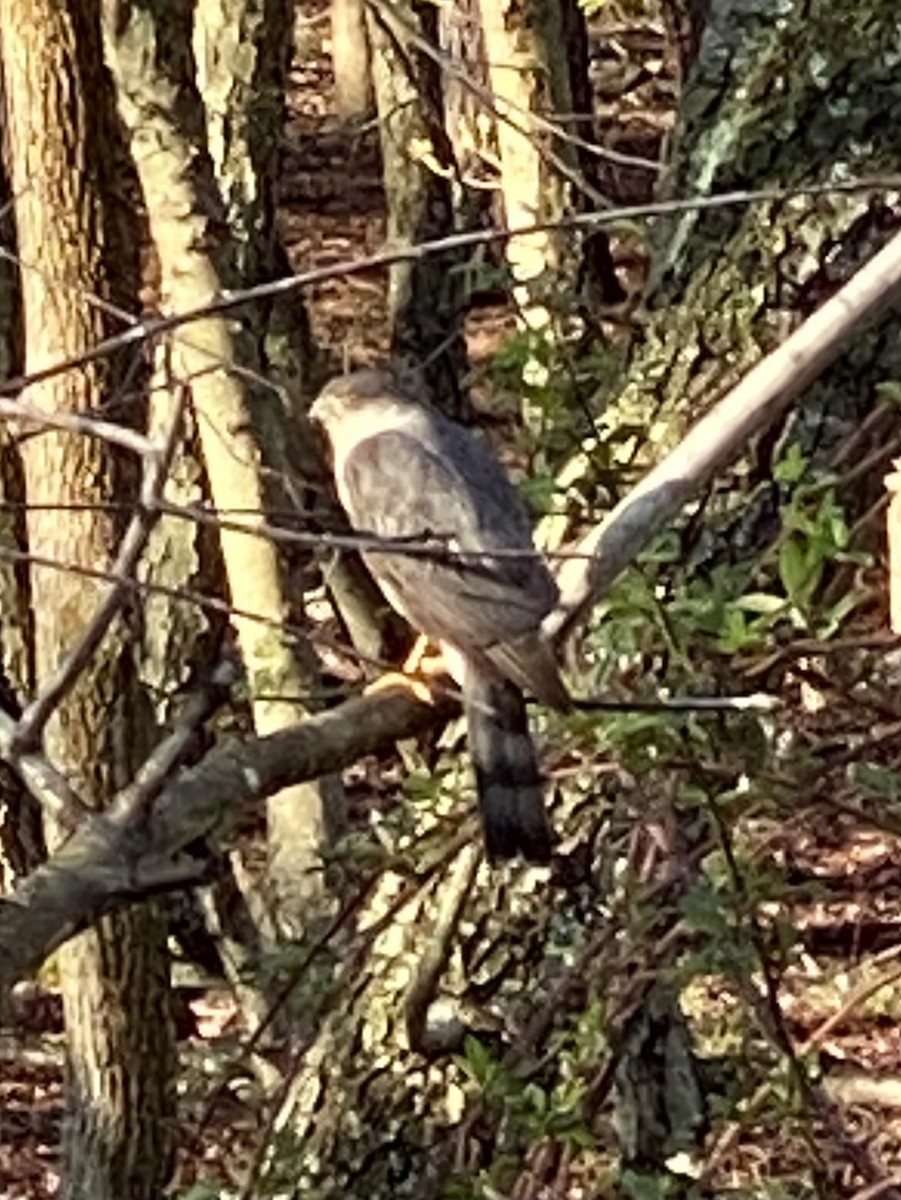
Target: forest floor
{"points": [[333, 212]]}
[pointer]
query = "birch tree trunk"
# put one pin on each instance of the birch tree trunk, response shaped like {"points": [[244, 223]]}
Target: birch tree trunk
{"points": [[529, 76]]}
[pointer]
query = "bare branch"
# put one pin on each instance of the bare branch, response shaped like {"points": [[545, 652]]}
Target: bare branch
{"points": [[117, 435], [156, 469], [111, 860]]}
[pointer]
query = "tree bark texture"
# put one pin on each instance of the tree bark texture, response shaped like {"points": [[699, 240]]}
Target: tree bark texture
{"points": [[379, 1106], [21, 834], [79, 250], [777, 98], [151, 55], [242, 51]]}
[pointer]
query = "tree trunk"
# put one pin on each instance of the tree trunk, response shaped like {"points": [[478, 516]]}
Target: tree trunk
{"points": [[155, 75], [354, 98], [529, 74], [21, 834], [425, 297], [730, 284], [76, 235], [362, 1129], [242, 53]]}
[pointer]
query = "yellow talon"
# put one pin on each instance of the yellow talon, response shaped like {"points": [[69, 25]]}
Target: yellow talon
{"points": [[394, 679], [419, 667]]}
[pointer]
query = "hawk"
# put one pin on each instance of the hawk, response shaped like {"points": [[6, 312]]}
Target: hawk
{"points": [[404, 471]]}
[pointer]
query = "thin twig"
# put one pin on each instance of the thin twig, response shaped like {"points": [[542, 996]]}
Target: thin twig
{"points": [[455, 890], [227, 301], [859, 996], [156, 469], [84, 423]]}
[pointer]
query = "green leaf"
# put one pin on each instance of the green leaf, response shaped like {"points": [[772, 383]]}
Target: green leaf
{"points": [[478, 1062], [581, 1137], [794, 569], [791, 467], [834, 617], [647, 1187], [764, 603]]}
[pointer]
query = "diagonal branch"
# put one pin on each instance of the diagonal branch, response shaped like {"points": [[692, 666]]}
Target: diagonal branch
{"points": [[719, 437], [113, 859]]}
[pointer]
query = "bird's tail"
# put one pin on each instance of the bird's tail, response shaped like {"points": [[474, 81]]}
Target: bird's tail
{"points": [[508, 781]]}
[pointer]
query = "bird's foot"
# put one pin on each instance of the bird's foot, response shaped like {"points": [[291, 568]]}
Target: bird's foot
{"points": [[396, 679], [420, 662], [419, 667]]}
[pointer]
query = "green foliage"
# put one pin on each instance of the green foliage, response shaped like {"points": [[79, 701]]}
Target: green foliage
{"points": [[873, 779], [639, 1185], [202, 1190], [530, 1112], [736, 608], [552, 379]]}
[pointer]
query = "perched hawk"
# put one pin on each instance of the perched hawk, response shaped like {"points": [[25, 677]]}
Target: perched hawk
{"points": [[402, 470]]}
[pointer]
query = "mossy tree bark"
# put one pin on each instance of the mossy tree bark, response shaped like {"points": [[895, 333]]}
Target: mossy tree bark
{"points": [[777, 97]]}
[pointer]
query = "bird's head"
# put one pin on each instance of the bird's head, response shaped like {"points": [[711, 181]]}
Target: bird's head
{"points": [[360, 404]]}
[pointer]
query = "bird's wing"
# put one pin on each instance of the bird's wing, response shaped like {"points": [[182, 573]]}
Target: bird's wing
{"points": [[530, 661], [450, 490]]}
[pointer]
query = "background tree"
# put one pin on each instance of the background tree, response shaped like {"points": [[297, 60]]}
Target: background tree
{"points": [[76, 231], [163, 112], [417, 166]]}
